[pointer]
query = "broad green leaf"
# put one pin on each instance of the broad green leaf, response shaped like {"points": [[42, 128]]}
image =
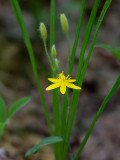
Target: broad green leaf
{"points": [[2, 125], [17, 106], [2, 110], [115, 51], [45, 141]]}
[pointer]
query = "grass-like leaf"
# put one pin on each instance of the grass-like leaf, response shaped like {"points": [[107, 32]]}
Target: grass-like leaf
{"points": [[23, 28], [115, 87], [45, 141], [18, 105], [2, 110], [115, 51], [84, 45], [55, 93], [64, 112], [80, 76]]}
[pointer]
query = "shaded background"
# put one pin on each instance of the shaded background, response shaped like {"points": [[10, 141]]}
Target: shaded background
{"points": [[28, 126]]}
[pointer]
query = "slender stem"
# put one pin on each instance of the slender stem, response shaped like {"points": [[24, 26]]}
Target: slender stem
{"points": [[55, 93], [77, 37], [23, 28], [68, 99], [80, 64], [64, 113], [68, 43], [46, 51]]}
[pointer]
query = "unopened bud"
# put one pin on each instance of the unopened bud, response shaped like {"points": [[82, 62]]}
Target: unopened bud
{"points": [[53, 51], [57, 65], [43, 30], [64, 23]]}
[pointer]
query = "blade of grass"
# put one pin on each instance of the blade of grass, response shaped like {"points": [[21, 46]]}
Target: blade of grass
{"points": [[84, 45], [77, 37], [87, 36], [64, 112], [116, 85], [105, 8], [23, 28], [55, 92], [75, 95]]}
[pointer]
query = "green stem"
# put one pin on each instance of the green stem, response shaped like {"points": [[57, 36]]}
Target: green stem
{"points": [[80, 64], [77, 37], [46, 51], [23, 28], [55, 93], [68, 43], [64, 113]]}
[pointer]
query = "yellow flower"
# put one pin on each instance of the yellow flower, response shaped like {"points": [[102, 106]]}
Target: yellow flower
{"points": [[62, 82]]}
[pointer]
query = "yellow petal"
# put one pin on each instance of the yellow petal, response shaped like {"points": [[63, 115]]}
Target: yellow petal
{"points": [[72, 86], [53, 86], [71, 80], [54, 80], [63, 89]]}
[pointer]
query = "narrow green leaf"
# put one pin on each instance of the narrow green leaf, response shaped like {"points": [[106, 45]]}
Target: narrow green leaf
{"points": [[64, 112], [115, 51], [55, 93], [77, 37], [87, 36], [75, 95], [80, 76], [2, 110], [115, 87], [45, 141], [23, 28], [18, 105]]}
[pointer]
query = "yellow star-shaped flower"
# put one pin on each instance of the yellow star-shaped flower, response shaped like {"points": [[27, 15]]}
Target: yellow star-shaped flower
{"points": [[62, 82]]}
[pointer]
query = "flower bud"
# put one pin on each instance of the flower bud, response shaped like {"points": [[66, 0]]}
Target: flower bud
{"points": [[53, 51], [43, 30], [64, 23], [57, 65]]}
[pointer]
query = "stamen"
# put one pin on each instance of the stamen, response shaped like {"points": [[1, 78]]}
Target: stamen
{"points": [[67, 76]]}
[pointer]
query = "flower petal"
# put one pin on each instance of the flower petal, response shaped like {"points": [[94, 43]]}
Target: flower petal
{"points": [[53, 86], [63, 88], [71, 80], [70, 85], [54, 80]]}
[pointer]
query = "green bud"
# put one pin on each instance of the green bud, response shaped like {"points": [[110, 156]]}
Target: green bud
{"points": [[53, 51], [57, 65], [43, 31], [64, 23]]}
